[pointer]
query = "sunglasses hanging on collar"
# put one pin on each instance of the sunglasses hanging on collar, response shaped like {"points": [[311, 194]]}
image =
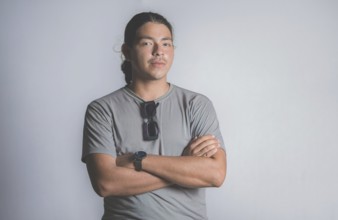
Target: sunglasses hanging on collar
{"points": [[150, 128]]}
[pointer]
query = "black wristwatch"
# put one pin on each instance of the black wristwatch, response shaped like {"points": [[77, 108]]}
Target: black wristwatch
{"points": [[138, 157]]}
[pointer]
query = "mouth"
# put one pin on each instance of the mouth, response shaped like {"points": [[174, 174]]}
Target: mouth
{"points": [[157, 63]]}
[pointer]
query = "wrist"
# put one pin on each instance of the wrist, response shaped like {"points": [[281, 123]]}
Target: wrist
{"points": [[137, 159]]}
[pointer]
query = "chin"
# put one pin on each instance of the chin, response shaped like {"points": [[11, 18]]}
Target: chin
{"points": [[157, 78], [158, 75]]}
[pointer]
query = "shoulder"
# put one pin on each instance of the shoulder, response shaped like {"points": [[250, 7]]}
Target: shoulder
{"points": [[108, 99], [191, 97], [106, 103]]}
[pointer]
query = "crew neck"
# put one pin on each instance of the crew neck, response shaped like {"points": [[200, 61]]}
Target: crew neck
{"points": [[135, 96]]}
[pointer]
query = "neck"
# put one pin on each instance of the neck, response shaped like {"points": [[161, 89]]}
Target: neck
{"points": [[149, 91]]}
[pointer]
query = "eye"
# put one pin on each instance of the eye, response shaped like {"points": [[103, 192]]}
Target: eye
{"points": [[146, 43], [167, 44]]}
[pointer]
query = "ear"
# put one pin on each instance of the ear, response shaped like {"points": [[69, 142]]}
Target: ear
{"points": [[126, 51]]}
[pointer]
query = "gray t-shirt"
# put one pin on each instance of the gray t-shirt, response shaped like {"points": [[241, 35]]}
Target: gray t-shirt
{"points": [[113, 125]]}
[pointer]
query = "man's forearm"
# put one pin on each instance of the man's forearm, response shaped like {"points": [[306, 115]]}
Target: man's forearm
{"points": [[188, 171], [131, 183], [109, 180]]}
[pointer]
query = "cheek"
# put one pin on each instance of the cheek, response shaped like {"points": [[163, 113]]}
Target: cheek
{"points": [[170, 52], [143, 55], [139, 59], [170, 56], [142, 60]]}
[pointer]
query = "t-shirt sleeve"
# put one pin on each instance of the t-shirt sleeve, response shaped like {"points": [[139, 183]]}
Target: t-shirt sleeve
{"points": [[204, 119], [97, 131]]}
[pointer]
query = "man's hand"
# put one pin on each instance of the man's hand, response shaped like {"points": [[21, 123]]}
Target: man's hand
{"points": [[204, 146]]}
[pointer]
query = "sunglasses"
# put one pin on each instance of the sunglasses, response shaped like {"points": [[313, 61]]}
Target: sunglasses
{"points": [[150, 127]]}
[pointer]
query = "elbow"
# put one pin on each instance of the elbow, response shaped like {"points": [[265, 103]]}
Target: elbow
{"points": [[104, 189], [218, 180], [218, 177], [220, 173], [101, 190]]}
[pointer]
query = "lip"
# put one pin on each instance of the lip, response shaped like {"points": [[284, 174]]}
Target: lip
{"points": [[157, 62]]}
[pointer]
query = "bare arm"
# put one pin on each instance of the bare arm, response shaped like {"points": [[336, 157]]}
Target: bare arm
{"points": [[203, 164], [190, 171], [109, 180]]}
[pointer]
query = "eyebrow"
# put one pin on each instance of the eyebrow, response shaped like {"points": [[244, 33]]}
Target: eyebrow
{"points": [[151, 38]]}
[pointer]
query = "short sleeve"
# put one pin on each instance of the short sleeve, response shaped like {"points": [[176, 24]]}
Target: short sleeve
{"points": [[97, 131], [204, 119]]}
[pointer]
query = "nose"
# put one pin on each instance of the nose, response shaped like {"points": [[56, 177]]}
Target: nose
{"points": [[157, 50]]}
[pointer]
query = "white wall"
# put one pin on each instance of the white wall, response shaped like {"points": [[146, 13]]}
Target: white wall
{"points": [[270, 68]]}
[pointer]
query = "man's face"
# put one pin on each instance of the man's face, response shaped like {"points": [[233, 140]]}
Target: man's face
{"points": [[152, 53]]}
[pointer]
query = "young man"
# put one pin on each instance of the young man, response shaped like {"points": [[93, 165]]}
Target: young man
{"points": [[151, 147]]}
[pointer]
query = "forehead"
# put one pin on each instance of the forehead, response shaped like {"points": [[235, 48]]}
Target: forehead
{"points": [[153, 30]]}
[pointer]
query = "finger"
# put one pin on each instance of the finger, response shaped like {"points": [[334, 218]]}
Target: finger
{"points": [[198, 143], [206, 146], [210, 153], [199, 140], [209, 150]]}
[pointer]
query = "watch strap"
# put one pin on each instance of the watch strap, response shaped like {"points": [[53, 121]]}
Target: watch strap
{"points": [[138, 164], [138, 157]]}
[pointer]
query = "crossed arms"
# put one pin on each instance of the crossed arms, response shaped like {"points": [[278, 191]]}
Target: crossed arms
{"points": [[202, 164]]}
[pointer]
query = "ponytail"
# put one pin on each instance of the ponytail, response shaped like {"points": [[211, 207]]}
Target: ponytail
{"points": [[126, 69]]}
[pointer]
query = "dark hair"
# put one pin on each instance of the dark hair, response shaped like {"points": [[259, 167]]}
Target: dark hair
{"points": [[130, 34]]}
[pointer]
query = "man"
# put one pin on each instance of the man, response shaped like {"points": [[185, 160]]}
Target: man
{"points": [[151, 147]]}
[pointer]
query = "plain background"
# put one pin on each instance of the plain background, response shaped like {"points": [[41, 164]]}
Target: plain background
{"points": [[269, 66]]}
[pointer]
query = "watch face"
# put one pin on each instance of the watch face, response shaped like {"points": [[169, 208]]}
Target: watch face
{"points": [[140, 154]]}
